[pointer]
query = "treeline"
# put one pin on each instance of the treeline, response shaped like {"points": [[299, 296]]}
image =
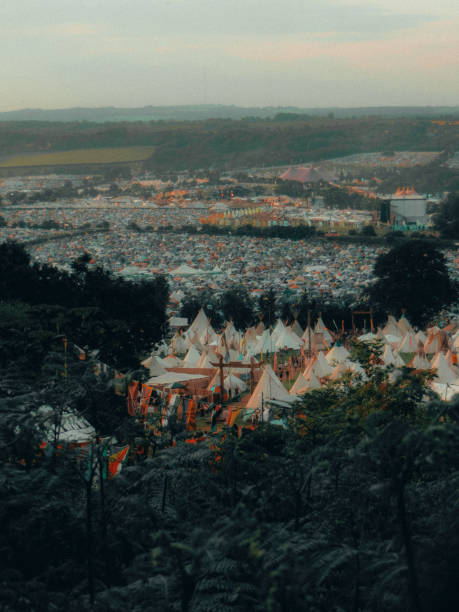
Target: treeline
{"points": [[119, 318], [366, 236], [237, 305], [231, 144], [296, 232], [287, 232]]}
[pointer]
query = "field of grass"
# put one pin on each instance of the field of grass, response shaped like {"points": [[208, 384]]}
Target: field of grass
{"points": [[110, 155]]}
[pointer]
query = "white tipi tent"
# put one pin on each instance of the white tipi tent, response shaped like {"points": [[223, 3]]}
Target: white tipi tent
{"points": [[390, 359], [154, 366], [265, 344], [443, 371], [199, 325], [192, 357], [287, 339], [278, 329], [269, 387], [337, 354]]}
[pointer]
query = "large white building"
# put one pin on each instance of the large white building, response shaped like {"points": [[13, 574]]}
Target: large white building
{"points": [[409, 207]]}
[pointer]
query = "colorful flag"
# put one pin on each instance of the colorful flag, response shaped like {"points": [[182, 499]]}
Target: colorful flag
{"points": [[145, 399], [115, 462], [132, 398]]}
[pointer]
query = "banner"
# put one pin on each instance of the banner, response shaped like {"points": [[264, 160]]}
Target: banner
{"points": [[145, 399], [115, 462], [132, 398]]}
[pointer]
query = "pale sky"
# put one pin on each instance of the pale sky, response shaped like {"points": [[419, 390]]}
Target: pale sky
{"points": [[63, 53]]}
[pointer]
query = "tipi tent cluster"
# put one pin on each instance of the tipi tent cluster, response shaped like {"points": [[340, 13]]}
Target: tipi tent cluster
{"points": [[200, 347]]}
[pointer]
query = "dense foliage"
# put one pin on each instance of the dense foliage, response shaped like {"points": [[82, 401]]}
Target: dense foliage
{"points": [[121, 319], [412, 276], [234, 304], [447, 219], [351, 505], [220, 143]]}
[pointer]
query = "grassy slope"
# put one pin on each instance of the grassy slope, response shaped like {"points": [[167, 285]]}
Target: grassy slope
{"points": [[79, 156]]}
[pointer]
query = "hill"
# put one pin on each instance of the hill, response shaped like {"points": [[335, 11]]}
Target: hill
{"points": [[228, 143]]}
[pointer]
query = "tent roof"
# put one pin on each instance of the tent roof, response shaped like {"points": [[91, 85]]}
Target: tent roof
{"points": [[154, 365], [288, 339], [184, 270], [268, 387], [337, 354], [171, 377]]}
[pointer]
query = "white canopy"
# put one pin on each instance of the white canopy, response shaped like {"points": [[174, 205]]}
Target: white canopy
{"points": [[320, 367], [154, 365], [287, 339], [269, 387], [279, 327], [192, 358], [337, 354], [173, 377], [405, 325], [391, 328], [184, 270], [443, 371], [265, 344], [408, 344], [390, 359], [311, 384], [172, 361], [419, 362]]}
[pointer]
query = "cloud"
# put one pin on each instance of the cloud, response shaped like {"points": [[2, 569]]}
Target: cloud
{"points": [[155, 51], [213, 17]]}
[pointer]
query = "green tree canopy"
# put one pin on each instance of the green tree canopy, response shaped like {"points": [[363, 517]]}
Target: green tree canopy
{"points": [[447, 219], [238, 307], [412, 276], [267, 302]]}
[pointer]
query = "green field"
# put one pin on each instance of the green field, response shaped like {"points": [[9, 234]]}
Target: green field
{"points": [[111, 155]]}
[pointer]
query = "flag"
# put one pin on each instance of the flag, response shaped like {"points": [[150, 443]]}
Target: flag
{"points": [[191, 415], [132, 398], [115, 462], [145, 399]]}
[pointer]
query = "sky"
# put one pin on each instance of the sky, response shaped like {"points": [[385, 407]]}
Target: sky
{"points": [[306, 53]]}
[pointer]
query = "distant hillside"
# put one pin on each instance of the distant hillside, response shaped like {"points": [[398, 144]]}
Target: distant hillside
{"points": [[224, 143], [211, 111]]}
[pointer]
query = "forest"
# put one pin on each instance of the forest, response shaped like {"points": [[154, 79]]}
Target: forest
{"points": [[119, 319], [226, 143], [348, 504]]}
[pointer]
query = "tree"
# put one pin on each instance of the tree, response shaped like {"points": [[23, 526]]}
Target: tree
{"points": [[238, 307], [267, 303], [293, 189], [412, 276], [447, 219], [193, 302], [368, 230]]}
